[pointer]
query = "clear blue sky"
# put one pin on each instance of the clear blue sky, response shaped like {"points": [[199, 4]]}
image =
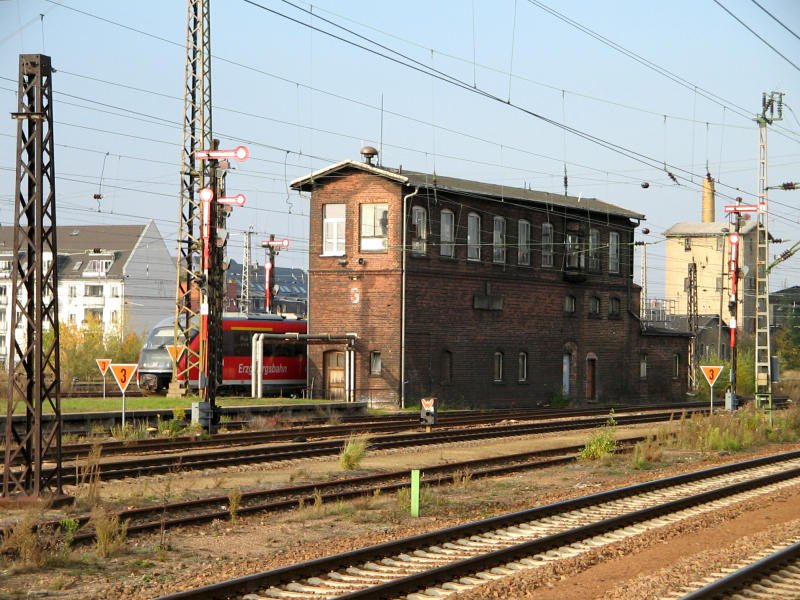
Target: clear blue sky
{"points": [[302, 99]]}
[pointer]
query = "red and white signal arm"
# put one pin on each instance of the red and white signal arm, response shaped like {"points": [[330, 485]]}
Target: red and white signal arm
{"points": [[284, 243], [123, 374], [237, 200], [739, 208], [711, 373], [240, 153]]}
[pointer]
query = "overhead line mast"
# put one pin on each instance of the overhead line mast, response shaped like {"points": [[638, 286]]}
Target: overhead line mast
{"points": [[771, 111], [194, 175]]}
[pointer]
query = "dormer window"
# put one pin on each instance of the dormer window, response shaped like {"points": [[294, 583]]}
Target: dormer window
{"points": [[77, 266], [97, 266]]}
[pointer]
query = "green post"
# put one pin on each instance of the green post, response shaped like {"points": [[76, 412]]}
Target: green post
{"points": [[415, 493]]}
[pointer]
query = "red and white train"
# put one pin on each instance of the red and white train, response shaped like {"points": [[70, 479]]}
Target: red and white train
{"points": [[283, 367]]}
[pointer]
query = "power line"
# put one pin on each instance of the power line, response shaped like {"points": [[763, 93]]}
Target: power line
{"points": [[746, 26], [777, 20]]}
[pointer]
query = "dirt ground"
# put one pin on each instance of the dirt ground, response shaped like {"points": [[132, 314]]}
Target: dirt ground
{"points": [[155, 564]]}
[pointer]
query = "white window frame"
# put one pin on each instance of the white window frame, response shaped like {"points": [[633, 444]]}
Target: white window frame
{"points": [[547, 245], [574, 251], [499, 240], [333, 229], [474, 237], [374, 227], [92, 287], [523, 242], [613, 252], [594, 249], [522, 367], [375, 363], [446, 233]]}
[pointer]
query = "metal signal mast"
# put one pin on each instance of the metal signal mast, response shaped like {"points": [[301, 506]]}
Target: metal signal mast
{"points": [[244, 302], [34, 371], [771, 111], [194, 175]]}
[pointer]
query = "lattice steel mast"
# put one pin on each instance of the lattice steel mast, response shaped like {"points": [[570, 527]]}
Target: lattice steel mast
{"points": [[244, 302], [196, 135], [34, 371], [771, 111]]}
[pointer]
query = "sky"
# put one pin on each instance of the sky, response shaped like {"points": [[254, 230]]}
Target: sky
{"points": [[618, 93]]}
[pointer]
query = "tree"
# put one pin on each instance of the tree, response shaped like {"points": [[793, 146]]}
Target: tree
{"points": [[787, 343]]}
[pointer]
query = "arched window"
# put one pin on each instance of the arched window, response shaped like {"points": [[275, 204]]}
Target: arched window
{"points": [[523, 242], [499, 240]]}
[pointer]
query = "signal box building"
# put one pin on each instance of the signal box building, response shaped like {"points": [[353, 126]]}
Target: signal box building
{"points": [[477, 294]]}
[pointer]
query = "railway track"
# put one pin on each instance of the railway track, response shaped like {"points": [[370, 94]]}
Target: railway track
{"points": [[436, 564], [774, 573], [185, 461], [304, 432], [192, 512]]}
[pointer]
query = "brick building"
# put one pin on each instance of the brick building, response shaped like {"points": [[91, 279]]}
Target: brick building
{"points": [[483, 295]]}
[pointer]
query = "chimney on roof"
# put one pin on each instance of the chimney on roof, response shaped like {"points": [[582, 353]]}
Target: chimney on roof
{"points": [[368, 152], [708, 199]]}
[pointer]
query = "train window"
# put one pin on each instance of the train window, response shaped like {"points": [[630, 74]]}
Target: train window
{"points": [[374, 226], [375, 363]]}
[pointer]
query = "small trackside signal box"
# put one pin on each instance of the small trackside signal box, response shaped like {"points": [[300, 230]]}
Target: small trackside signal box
{"points": [[427, 412]]}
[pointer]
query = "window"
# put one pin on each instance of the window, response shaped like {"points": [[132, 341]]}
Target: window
{"points": [[333, 227], [114, 291], [523, 242], [613, 307], [594, 305], [687, 244], [73, 292], [97, 266], [93, 314], [473, 236], [77, 265], [498, 366], [375, 363], [419, 224], [594, 250], [93, 291], [446, 238], [718, 286], [2, 316], [5, 265], [643, 366], [71, 318], [720, 243], [574, 258], [374, 226], [547, 245], [676, 365], [499, 240], [613, 252], [114, 316], [3, 295], [447, 366], [522, 366], [569, 304]]}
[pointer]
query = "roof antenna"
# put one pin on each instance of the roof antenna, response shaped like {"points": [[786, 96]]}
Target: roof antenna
{"points": [[99, 195]]}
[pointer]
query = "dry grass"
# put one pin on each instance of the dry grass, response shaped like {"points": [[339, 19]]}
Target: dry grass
{"points": [[27, 546], [234, 502], [88, 478], [110, 533], [354, 451]]}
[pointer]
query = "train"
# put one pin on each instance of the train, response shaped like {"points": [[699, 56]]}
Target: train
{"points": [[284, 363]]}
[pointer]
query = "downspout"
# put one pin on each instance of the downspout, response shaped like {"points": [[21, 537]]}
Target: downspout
{"points": [[403, 302]]}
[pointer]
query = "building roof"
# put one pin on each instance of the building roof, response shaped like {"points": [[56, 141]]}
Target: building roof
{"points": [[707, 229], [77, 244], [465, 186]]}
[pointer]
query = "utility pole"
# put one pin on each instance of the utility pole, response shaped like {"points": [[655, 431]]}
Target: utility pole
{"points": [[194, 175], [244, 302], [691, 311], [272, 248], [771, 111], [34, 369]]}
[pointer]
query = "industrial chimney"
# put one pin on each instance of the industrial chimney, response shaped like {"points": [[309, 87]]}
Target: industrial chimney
{"points": [[708, 199]]}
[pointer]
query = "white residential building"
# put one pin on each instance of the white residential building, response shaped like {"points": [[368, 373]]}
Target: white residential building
{"points": [[122, 275]]}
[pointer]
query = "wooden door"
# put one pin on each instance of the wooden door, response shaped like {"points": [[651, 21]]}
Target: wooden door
{"points": [[334, 375]]}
